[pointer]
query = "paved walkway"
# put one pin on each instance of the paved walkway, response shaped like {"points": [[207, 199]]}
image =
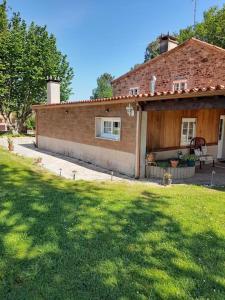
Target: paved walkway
{"points": [[61, 164], [83, 171]]}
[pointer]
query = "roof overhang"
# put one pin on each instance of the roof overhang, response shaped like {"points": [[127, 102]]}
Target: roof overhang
{"points": [[142, 98]]}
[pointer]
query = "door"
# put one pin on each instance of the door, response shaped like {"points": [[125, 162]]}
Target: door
{"points": [[221, 139]]}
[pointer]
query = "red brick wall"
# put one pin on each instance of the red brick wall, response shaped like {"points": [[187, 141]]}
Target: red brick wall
{"points": [[78, 125], [202, 65]]}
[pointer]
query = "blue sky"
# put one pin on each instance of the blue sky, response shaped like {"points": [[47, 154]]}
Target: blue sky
{"points": [[107, 36]]}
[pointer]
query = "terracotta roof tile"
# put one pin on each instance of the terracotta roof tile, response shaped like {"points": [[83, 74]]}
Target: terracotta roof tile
{"points": [[142, 97]]}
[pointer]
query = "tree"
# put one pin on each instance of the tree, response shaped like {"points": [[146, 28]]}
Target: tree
{"points": [[104, 88], [28, 54], [211, 29], [152, 50]]}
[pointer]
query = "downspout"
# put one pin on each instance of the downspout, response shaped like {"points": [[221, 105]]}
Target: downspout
{"points": [[138, 141]]}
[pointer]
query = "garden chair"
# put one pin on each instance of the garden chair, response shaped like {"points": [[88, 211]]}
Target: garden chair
{"points": [[199, 148]]}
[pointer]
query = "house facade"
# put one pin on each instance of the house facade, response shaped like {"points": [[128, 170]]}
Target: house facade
{"points": [[193, 64], [158, 107], [3, 125]]}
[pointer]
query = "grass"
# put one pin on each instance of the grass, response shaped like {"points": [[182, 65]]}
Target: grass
{"points": [[61, 239], [14, 135]]}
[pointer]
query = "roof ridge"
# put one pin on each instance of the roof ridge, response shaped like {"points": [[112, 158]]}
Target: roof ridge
{"points": [[208, 44]]}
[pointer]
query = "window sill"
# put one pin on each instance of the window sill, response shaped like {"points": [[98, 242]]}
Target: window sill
{"points": [[107, 139]]}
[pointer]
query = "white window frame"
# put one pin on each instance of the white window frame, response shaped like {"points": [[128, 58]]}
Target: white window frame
{"points": [[134, 91], [179, 83], [107, 136], [187, 120]]}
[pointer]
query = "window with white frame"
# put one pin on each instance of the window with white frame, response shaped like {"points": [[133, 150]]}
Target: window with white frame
{"points": [[108, 128], [180, 85], [188, 130], [134, 91]]}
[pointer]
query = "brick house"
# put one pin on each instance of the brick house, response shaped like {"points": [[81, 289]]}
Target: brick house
{"points": [[158, 107], [3, 125]]}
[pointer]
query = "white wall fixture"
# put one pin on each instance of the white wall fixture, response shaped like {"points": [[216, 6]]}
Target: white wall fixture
{"points": [[130, 110], [152, 84]]}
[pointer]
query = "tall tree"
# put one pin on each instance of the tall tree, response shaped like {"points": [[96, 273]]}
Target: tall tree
{"points": [[104, 88], [28, 54], [152, 50], [211, 29]]}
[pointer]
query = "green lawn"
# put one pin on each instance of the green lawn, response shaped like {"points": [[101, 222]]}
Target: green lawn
{"points": [[62, 239]]}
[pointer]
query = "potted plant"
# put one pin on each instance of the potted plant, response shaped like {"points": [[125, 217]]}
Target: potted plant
{"points": [[190, 159], [162, 164], [174, 163], [10, 144], [167, 179], [150, 158], [179, 154]]}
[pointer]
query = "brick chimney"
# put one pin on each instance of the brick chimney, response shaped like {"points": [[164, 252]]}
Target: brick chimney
{"points": [[53, 90], [166, 43]]}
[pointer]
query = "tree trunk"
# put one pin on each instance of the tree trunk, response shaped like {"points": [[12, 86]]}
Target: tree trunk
{"points": [[20, 126]]}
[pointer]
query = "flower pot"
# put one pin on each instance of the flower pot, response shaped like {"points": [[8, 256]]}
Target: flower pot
{"points": [[174, 163], [150, 157], [167, 181], [190, 163]]}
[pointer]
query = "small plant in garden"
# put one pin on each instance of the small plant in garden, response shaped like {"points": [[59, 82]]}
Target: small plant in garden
{"points": [[38, 160], [30, 123], [10, 144], [179, 154], [190, 159], [167, 178]]}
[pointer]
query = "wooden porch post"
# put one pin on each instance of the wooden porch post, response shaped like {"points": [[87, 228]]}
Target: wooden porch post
{"points": [[138, 142]]}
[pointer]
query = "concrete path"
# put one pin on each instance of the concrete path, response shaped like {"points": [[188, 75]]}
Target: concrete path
{"points": [[61, 164], [58, 163]]}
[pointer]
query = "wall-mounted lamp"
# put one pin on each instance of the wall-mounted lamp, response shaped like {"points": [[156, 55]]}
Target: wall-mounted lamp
{"points": [[107, 110], [130, 110], [66, 111]]}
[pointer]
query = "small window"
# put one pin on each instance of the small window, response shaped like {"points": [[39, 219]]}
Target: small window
{"points": [[188, 130], [108, 128], [179, 85], [134, 91]]}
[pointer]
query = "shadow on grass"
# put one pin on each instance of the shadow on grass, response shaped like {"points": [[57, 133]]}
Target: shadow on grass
{"points": [[66, 240]]}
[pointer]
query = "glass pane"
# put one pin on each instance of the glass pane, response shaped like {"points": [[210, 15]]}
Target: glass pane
{"points": [[182, 85], [185, 125], [183, 139], [191, 133], [107, 127], [116, 128], [176, 86], [185, 131]]}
